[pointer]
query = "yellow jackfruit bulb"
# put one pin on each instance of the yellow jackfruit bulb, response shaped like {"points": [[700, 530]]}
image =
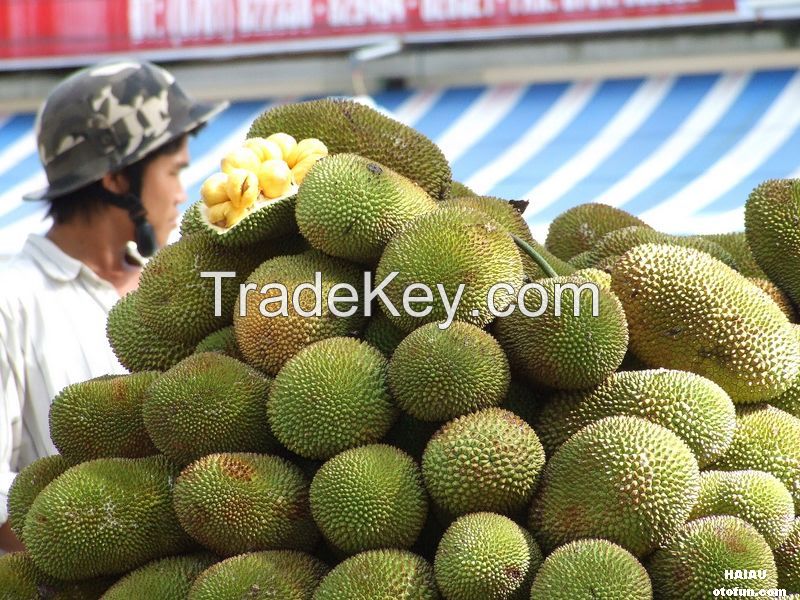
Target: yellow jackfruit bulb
{"points": [[219, 212], [264, 149], [275, 178], [242, 188], [286, 142], [241, 158], [235, 215], [301, 168], [213, 190], [304, 148]]}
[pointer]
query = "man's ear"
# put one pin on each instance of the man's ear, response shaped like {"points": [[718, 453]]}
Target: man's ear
{"points": [[115, 182]]}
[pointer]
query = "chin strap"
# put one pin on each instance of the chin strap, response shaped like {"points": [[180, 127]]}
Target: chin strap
{"points": [[144, 236]]}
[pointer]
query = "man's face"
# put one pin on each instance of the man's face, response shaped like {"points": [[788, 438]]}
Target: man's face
{"points": [[162, 191]]}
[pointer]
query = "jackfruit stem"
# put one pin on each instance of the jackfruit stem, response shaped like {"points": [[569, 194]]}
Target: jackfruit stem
{"points": [[537, 258]]}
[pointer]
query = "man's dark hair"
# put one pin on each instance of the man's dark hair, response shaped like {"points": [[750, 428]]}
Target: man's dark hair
{"points": [[90, 199]]}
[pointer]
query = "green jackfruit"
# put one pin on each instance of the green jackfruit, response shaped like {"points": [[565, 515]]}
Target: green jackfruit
{"points": [[592, 568], [348, 126], [766, 439], [459, 249], [437, 374], [789, 401], [579, 228], [486, 556], [778, 297], [104, 517], [102, 417], [486, 461], [223, 340], [267, 342], [164, 579], [330, 396], [623, 479], [755, 496], [389, 574], [699, 557], [459, 190], [770, 223], [21, 579], [696, 409], [787, 559], [208, 403], [349, 206], [234, 503], [381, 333], [690, 312], [735, 243], [26, 486], [369, 497]]}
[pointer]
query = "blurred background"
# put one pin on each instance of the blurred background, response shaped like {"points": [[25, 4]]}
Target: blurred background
{"points": [[670, 109]]}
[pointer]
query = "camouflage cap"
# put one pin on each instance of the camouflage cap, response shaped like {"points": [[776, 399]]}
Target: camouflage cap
{"points": [[108, 116]]}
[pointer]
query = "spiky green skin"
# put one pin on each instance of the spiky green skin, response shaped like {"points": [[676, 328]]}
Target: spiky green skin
{"points": [[350, 206], [789, 401], [21, 579], [208, 403], [754, 496], [770, 223], [486, 461], [223, 341], [380, 574], [777, 296], [267, 342], [102, 417], [381, 333], [459, 190], [485, 556], [766, 439], [579, 228], [649, 483], [273, 220], [348, 126], [787, 559], [565, 351], [592, 568], [137, 346], [104, 517], [439, 374], [451, 246], [693, 563], [582, 260], [26, 486], [331, 396], [693, 407], [735, 243], [284, 574], [690, 312], [369, 497], [164, 579], [234, 503], [175, 300]]}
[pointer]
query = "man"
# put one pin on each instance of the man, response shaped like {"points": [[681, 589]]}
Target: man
{"points": [[113, 140]]}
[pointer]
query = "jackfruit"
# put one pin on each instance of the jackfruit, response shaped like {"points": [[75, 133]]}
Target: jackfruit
{"points": [[438, 374], [296, 319], [778, 297], [331, 396], [754, 496], [579, 228], [345, 125], [223, 341], [26, 486], [350, 206], [702, 555], [549, 344], [688, 311], [488, 461], [453, 250], [208, 403], [770, 223], [787, 559], [459, 190], [592, 568], [623, 479], [102, 417], [21, 579], [766, 439], [164, 579], [234, 503], [381, 333], [486, 556], [696, 409], [735, 243], [582, 260], [390, 574], [369, 497], [104, 517]]}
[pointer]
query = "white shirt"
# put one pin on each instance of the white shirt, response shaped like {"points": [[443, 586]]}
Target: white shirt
{"points": [[53, 312]]}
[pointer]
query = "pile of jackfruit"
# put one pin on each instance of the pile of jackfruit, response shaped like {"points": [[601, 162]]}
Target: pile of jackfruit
{"points": [[353, 378]]}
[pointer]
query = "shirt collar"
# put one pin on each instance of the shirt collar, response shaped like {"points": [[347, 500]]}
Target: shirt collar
{"points": [[53, 261]]}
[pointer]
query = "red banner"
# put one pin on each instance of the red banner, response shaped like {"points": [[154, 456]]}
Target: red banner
{"points": [[57, 28]]}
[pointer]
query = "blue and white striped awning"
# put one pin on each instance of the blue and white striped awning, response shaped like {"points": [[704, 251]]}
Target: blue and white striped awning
{"points": [[682, 152]]}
